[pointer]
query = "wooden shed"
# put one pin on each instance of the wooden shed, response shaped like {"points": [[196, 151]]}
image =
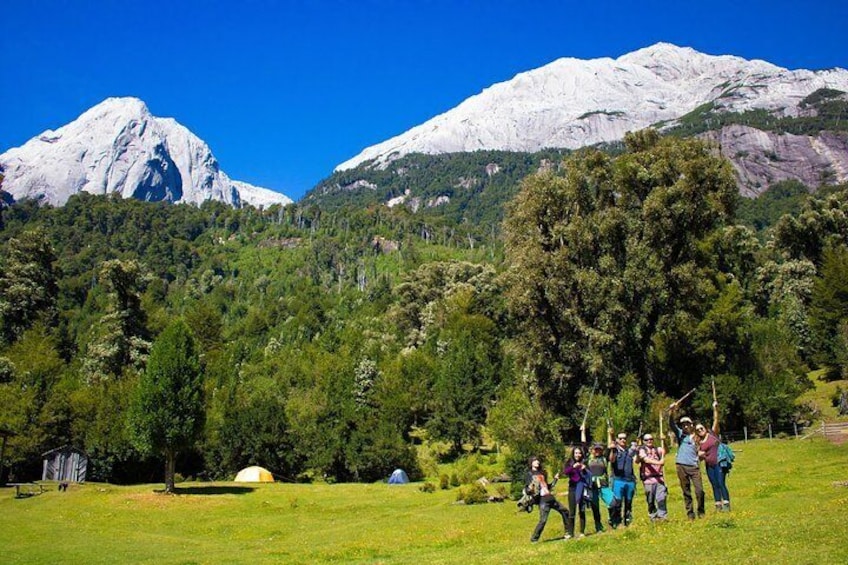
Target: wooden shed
{"points": [[67, 464]]}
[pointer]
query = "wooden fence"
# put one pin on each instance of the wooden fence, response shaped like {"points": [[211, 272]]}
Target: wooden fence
{"points": [[836, 432]]}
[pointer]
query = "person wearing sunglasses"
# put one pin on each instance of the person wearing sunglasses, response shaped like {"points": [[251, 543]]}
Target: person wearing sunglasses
{"points": [[686, 462], [622, 458], [652, 460], [709, 443]]}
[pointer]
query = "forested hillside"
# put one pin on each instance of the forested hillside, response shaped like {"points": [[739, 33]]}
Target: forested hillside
{"points": [[805, 144], [344, 341], [464, 188]]}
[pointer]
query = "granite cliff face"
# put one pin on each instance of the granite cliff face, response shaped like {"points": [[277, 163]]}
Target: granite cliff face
{"points": [[762, 158], [572, 103]]}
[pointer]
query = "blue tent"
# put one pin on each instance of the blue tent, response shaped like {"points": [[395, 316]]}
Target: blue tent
{"points": [[398, 477]]}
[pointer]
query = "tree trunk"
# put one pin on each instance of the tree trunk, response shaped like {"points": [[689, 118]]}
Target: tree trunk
{"points": [[170, 465]]}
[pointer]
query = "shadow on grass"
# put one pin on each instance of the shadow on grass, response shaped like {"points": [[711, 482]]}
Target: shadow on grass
{"points": [[213, 489]]}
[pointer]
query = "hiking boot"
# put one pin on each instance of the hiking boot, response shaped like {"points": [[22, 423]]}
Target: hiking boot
{"points": [[566, 537]]}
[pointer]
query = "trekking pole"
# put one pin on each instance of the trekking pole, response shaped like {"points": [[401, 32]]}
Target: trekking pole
{"points": [[682, 398], [715, 398], [589, 405], [662, 448]]}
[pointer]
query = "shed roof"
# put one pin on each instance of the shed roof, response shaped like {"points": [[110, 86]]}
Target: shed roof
{"points": [[65, 448]]}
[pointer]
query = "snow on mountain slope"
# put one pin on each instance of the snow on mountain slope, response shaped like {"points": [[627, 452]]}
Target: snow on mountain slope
{"points": [[118, 146], [572, 103]]}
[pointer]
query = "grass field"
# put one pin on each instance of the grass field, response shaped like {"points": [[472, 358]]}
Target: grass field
{"points": [[788, 507], [820, 397]]}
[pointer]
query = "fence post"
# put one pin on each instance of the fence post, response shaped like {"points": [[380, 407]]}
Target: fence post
{"points": [[795, 425], [770, 438], [746, 434]]}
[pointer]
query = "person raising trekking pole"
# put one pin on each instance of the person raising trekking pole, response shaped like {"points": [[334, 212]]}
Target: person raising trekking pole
{"points": [[686, 462], [596, 463], [652, 460], [621, 457], [708, 451]]}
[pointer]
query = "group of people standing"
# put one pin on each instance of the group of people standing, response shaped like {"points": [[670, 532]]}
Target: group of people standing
{"points": [[608, 473]]}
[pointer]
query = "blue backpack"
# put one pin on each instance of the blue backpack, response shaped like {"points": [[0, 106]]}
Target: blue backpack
{"points": [[725, 456]]}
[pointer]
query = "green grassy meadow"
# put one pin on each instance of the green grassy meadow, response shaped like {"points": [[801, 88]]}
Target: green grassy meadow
{"points": [[787, 508]]}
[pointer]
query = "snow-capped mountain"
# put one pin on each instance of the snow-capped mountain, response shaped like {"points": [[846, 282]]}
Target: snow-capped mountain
{"points": [[119, 146], [572, 103]]}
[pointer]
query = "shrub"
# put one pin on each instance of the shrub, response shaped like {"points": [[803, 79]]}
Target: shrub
{"points": [[444, 482], [454, 480], [427, 487], [474, 494]]}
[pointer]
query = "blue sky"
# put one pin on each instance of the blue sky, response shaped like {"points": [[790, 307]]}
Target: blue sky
{"points": [[284, 91]]}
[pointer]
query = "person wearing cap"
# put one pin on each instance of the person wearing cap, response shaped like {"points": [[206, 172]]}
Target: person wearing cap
{"points": [[686, 462], [622, 458], [596, 463], [536, 481], [652, 460]]}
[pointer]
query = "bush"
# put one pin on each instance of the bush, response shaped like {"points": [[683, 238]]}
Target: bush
{"points": [[427, 487], [454, 480], [444, 482], [473, 494], [836, 397]]}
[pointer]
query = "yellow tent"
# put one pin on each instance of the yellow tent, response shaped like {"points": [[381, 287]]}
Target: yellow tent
{"points": [[254, 475]]}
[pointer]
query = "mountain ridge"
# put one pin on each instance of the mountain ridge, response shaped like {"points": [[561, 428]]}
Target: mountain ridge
{"points": [[572, 103], [118, 146]]}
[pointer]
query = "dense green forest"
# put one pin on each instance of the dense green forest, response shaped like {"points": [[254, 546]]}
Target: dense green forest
{"points": [[345, 341], [461, 188], [825, 109]]}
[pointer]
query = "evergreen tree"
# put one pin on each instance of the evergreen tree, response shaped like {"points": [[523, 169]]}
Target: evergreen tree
{"points": [[829, 310], [167, 415]]}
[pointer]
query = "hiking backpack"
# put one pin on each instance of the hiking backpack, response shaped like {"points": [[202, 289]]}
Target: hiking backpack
{"points": [[725, 456]]}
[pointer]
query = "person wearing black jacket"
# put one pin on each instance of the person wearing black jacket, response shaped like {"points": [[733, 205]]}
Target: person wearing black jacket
{"points": [[536, 481], [621, 457]]}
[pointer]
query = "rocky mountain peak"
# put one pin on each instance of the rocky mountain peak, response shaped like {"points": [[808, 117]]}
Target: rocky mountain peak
{"points": [[119, 146]]}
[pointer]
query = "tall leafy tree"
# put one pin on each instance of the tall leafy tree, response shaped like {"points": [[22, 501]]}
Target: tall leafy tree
{"points": [[829, 310], [608, 275], [822, 222], [167, 414], [121, 338], [28, 284], [469, 364]]}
